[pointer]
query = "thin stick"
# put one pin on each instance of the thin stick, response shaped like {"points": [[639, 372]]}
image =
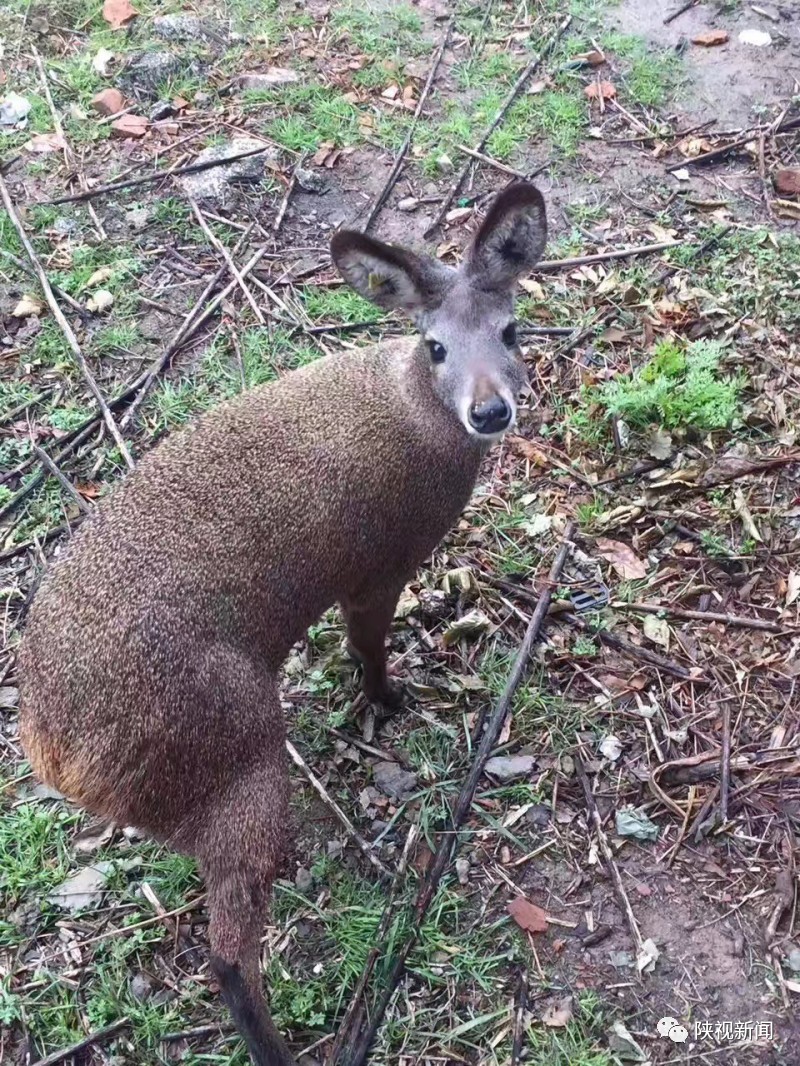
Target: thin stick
{"points": [[226, 255], [548, 265], [487, 159], [705, 616], [213, 1029], [399, 160], [65, 327], [681, 10], [93, 1038], [608, 855], [740, 142], [352, 832], [276, 225], [184, 332], [69, 155], [156, 175], [725, 763], [515, 91], [463, 804], [65, 296], [65, 483]]}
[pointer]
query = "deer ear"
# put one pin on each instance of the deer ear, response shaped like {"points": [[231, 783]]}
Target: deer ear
{"points": [[391, 277], [511, 239]]}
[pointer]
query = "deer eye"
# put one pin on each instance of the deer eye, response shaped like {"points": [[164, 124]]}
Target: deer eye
{"points": [[510, 335], [438, 351]]}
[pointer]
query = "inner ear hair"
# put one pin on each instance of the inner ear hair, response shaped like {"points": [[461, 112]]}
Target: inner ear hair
{"points": [[389, 276], [511, 239]]}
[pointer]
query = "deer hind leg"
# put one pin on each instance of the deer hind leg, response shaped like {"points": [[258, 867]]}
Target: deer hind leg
{"points": [[368, 623], [242, 850]]}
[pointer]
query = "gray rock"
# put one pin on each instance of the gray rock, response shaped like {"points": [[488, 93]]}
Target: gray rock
{"points": [[83, 889], [303, 879], [267, 79], [147, 72], [462, 871], [793, 957], [160, 110], [310, 180], [510, 767], [141, 987], [9, 696], [538, 815], [394, 781], [218, 183], [334, 849], [181, 28]]}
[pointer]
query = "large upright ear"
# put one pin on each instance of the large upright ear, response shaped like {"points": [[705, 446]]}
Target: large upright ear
{"points": [[391, 277], [511, 240]]}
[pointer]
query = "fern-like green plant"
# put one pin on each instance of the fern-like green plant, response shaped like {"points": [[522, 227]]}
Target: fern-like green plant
{"points": [[678, 387]]}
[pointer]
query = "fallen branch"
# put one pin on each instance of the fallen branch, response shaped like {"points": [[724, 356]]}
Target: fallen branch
{"points": [[64, 326], [363, 845], [680, 11], [731, 146], [226, 255], [549, 265], [65, 296], [93, 1038], [608, 855], [276, 225], [463, 804], [703, 616], [514, 93], [63, 481], [399, 160], [495, 163], [156, 175]]}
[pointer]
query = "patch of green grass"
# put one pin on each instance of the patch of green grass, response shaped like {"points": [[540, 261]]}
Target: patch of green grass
{"points": [[380, 30], [649, 77], [34, 850], [679, 386], [486, 71], [338, 305], [580, 1043], [314, 113]]}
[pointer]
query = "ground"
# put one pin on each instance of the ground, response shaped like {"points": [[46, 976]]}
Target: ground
{"points": [[657, 809]]}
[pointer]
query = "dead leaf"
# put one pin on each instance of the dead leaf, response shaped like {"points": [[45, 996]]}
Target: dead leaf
{"points": [[101, 301], [711, 38], [657, 630], [130, 126], [27, 306], [558, 1014], [117, 13], [99, 276], [624, 560], [600, 90], [42, 143], [786, 208], [660, 444], [527, 915], [787, 181], [102, 62], [792, 587], [740, 505], [533, 288]]}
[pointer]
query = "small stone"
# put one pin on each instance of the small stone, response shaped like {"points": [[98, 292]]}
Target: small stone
{"points": [[108, 102], [9, 697], [462, 871], [510, 767], [793, 957], [538, 815], [394, 781], [83, 889], [408, 203], [135, 126], [141, 987], [161, 110], [267, 79], [147, 72], [303, 879], [217, 183], [137, 218], [182, 28], [445, 163], [200, 97], [435, 604], [311, 180], [334, 849]]}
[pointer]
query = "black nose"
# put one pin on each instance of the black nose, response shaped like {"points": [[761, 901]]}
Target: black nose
{"points": [[490, 416]]}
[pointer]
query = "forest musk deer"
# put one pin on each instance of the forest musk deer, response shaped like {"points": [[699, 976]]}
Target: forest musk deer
{"points": [[152, 652]]}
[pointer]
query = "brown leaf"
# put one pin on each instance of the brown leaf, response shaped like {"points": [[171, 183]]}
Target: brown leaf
{"points": [[527, 915], [108, 102], [605, 90], [787, 181], [42, 143], [130, 126], [118, 13], [624, 560], [711, 38], [558, 1014]]}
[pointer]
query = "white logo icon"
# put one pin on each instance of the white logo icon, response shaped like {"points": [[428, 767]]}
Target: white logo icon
{"points": [[672, 1028]]}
